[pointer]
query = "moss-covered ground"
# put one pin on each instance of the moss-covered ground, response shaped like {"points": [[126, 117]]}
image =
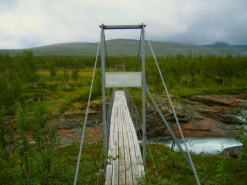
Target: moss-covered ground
{"points": [[171, 166]]}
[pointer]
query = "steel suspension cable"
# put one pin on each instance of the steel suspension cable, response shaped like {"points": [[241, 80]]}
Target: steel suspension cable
{"points": [[107, 67], [193, 168], [137, 66], [150, 151], [100, 165], [85, 121]]}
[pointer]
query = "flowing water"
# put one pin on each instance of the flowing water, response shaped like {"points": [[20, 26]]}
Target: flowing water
{"points": [[209, 146]]}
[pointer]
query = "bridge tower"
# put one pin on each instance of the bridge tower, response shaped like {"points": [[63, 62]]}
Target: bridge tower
{"points": [[123, 79]]}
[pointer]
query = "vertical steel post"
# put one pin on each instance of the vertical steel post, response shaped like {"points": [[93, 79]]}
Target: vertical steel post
{"points": [[143, 96], [103, 90]]}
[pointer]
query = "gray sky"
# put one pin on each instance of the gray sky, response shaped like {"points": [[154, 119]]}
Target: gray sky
{"points": [[29, 23]]}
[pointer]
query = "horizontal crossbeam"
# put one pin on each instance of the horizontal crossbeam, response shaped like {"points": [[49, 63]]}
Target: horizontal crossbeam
{"points": [[122, 26]]}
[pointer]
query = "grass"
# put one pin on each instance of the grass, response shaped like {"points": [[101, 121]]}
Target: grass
{"points": [[57, 97], [173, 169], [171, 166]]}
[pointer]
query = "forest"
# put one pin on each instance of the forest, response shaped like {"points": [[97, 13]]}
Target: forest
{"points": [[32, 87], [25, 71]]}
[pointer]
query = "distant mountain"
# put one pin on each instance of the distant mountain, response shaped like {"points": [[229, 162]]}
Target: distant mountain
{"points": [[221, 44], [129, 47], [124, 40]]}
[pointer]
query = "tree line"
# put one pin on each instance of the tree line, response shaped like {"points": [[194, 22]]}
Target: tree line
{"points": [[178, 71], [24, 69], [190, 71]]}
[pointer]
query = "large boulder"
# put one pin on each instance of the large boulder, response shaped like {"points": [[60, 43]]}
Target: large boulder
{"points": [[232, 152], [71, 121], [192, 123]]}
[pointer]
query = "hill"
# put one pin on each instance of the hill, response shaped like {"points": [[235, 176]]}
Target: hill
{"points": [[129, 47]]}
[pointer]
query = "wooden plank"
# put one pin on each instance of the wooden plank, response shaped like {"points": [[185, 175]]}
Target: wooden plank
{"points": [[109, 168], [136, 145], [110, 153], [129, 177], [135, 169], [121, 150], [115, 145], [138, 152]]}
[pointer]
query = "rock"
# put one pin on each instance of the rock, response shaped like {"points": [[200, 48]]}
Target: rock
{"points": [[218, 107], [67, 136], [74, 135], [222, 100], [232, 152], [203, 128], [183, 112], [195, 115], [203, 116], [196, 119], [154, 127], [67, 124], [70, 122], [150, 109]]}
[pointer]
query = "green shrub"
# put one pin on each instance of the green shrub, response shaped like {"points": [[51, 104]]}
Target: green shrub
{"points": [[53, 87]]}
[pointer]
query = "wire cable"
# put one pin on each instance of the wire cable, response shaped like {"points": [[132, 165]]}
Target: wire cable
{"points": [[100, 165], [137, 65], [193, 168], [85, 121], [107, 67], [127, 94]]}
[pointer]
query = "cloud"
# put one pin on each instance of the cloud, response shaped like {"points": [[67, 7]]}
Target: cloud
{"points": [[29, 23]]}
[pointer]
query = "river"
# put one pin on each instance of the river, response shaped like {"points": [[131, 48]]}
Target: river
{"points": [[210, 146]]}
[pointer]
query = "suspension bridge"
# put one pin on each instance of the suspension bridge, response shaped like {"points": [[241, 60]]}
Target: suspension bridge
{"points": [[125, 162]]}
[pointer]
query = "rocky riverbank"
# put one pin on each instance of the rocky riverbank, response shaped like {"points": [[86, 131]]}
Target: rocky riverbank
{"points": [[199, 116]]}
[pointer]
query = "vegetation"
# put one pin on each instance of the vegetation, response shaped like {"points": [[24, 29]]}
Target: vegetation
{"points": [[33, 88], [242, 136], [172, 169], [23, 74]]}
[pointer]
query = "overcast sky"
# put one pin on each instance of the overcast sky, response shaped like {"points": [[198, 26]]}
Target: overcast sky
{"points": [[29, 23]]}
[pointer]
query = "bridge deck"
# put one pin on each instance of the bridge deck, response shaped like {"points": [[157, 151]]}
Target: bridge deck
{"points": [[123, 142]]}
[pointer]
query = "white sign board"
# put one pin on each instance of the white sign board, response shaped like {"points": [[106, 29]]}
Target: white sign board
{"points": [[123, 79]]}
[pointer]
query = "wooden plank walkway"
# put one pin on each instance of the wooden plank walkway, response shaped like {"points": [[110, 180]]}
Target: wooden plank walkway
{"points": [[123, 142]]}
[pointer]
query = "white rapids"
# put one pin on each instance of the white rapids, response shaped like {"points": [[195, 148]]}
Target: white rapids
{"points": [[209, 146]]}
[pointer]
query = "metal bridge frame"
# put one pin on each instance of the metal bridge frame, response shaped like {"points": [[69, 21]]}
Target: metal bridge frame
{"points": [[105, 27]]}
